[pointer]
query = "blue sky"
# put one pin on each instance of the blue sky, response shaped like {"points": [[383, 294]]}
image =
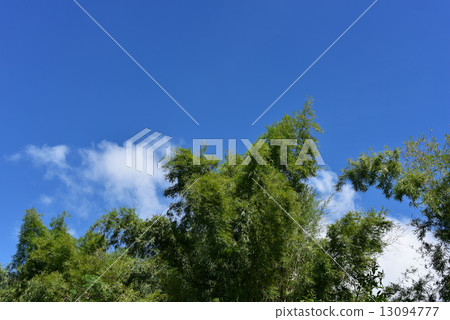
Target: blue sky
{"points": [[68, 92]]}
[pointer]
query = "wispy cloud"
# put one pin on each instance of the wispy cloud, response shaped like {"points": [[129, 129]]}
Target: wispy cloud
{"points": [[402, 253], [104, 166], [338, 203], [96, 175], [49, 156], [45, 199], [13, 157], [72, 232]]}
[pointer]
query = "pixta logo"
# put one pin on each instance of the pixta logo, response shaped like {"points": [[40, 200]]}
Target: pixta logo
{"points": [[308, 151], [141, 148]]}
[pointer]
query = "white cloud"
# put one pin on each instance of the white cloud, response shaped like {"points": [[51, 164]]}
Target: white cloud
{"points": [[13, 157], [339, 203], [72, 232], [46, 155], [98, 175], [401, 254], [105, 166], [45, 199]]}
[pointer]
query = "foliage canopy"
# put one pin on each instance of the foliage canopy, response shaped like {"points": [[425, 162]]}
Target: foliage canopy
{"points": [[232, 233]]}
